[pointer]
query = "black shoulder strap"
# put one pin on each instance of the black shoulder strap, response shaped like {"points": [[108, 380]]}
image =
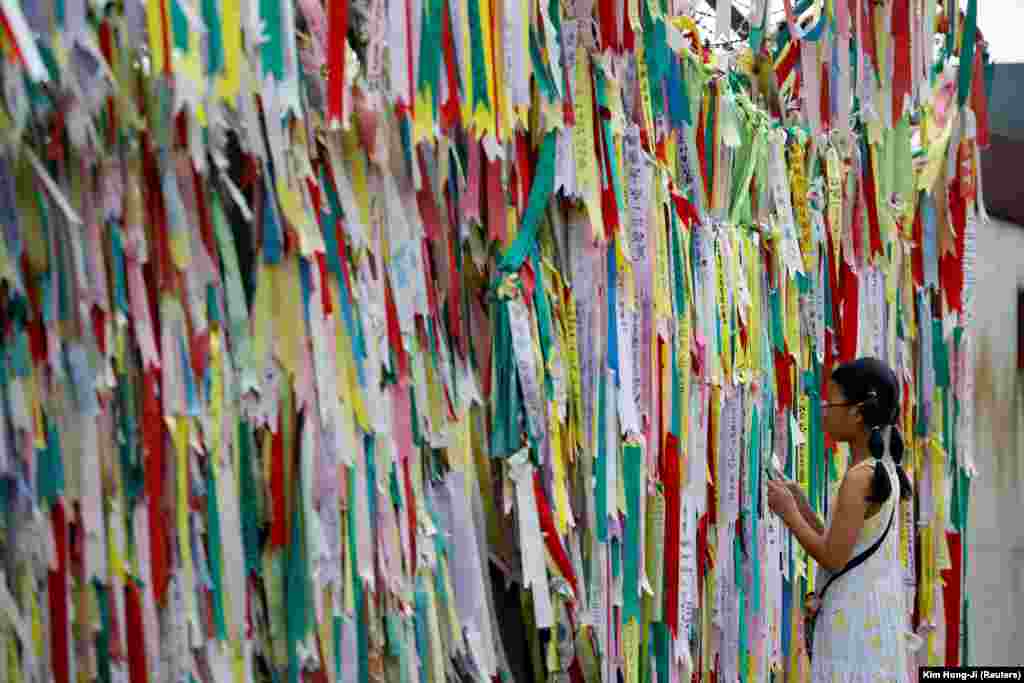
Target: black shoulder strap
{"points": [[861, 558]]}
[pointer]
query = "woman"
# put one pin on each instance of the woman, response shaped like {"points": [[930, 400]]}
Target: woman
{"points": [[859, 632]]}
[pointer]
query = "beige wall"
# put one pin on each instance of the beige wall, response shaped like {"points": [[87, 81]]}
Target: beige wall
{"points": [[995, 571]]}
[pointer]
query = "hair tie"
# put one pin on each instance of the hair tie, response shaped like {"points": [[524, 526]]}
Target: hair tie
{"points": [[876, 444]]}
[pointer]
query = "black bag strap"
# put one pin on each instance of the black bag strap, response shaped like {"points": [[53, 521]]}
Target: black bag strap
{"points": [[862, 557]]}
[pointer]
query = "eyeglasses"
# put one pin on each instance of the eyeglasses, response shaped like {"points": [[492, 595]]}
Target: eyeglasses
{"points": [[872, 396], [837, 404]]}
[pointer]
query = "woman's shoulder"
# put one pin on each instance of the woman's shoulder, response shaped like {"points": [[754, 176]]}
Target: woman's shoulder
{"points": [[860, 473], [867, 464], [855, 482]]}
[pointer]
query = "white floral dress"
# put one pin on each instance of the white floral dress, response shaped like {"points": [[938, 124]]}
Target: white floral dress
{"points": [[860, 633]]}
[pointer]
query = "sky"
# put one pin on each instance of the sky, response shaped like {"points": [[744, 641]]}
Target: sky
{"points": [[1001, 22]]}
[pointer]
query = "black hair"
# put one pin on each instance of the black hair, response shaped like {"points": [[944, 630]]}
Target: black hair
{"points": [[871, 385]]}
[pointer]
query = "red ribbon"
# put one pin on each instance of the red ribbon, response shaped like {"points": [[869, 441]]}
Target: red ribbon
{"points": [[783, 69], [670, 478], [951, 579], [337, 28], [98, 318], [431, 280], [783, 378], [136, 634], [153, 203], [979, 102], [325, 291], [867, 34], [628, 37], [701, 151], [427, 203], [833, 275], [205, 222], [450, 111], [951, 270], [410, 505], [199, 353], [394, 332], [901, 84], [703, 556], [497, 213], [871, 199], [851, 294], [278, 520], [58, 598], [551, 537], [454, 287], [153, 449], [609, 30], [685, 210]]}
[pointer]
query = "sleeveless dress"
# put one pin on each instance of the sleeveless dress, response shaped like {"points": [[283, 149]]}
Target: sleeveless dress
{"points": [[860, 633]]}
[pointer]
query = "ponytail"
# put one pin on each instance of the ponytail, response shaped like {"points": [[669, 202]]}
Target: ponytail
{"points": [[881, 487], [896, 451]]}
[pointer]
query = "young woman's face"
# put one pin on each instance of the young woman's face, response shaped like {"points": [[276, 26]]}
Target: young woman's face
{"points": [[840, 418]]}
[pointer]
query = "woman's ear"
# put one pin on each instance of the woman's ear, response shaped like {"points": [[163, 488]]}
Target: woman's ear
{"points": [[858, 414]]}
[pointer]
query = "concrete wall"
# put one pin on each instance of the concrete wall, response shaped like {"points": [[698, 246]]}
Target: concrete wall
{"points": [[995, 571]]}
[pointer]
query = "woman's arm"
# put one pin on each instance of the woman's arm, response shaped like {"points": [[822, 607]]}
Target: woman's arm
{"points": [[806, 512], [832, 548]]}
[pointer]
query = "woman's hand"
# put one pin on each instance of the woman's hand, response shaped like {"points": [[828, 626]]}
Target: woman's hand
{"points": [[812, 604], [781, 500], [794, 488]]}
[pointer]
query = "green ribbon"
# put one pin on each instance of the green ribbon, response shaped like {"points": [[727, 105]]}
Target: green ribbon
{"points": [[544, 321], [422, 637], [272, 51], [430, 49], [540, 193], [179, 26], [756, 38], [215, 42], [249, 500], [103, 637], [507, 403], [479, 61], [662, 644], [967, 47], [940, 355], [414, 420], [815, 438], [751, 148], [632, 456], [50, 472], [775, 301], [132, 470], [216, 553]]}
